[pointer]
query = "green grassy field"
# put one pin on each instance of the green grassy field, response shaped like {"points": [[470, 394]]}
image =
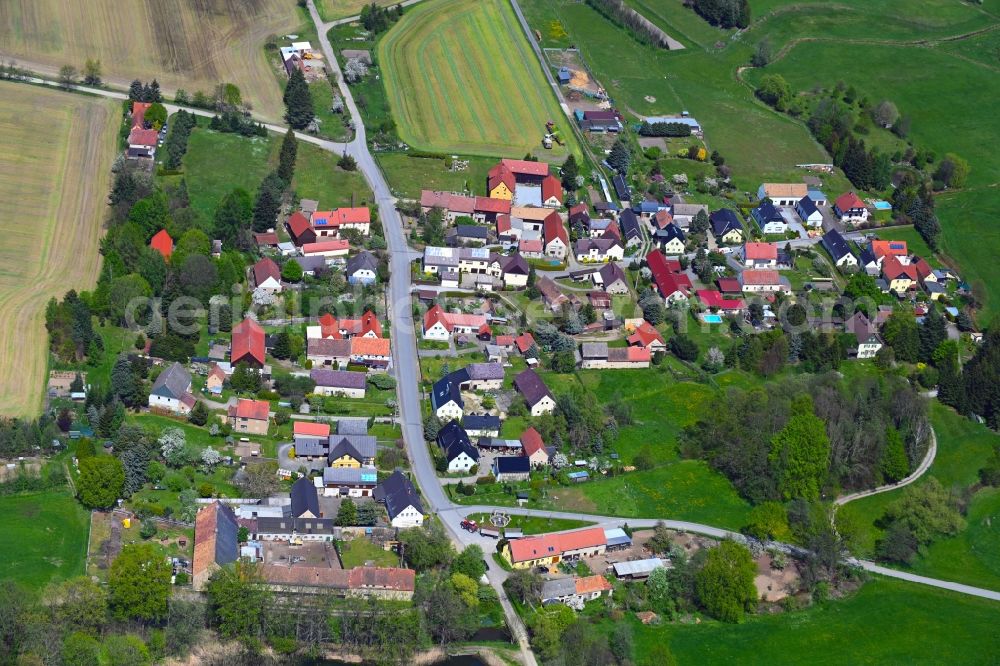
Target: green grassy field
{"points": [[970, 557], [44, 537], [885, 622], [533, 524], [330, 10], [356, 552], [408, 175], [461, 77], [216, 163]]}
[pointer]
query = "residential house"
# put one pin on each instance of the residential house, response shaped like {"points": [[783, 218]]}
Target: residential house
{"points": [[331, 223], [460, 455], [597, 355], [441, 325], [579, 216], [671, 240], [552, 296], [866, 334], [215, 379], [888, 248], [900, 277], [808, 212], [452, 205], [761, 280], [488, 209], [511, 468], [514, 270], [479, 377], [869, 263], [375, 582], [533, 448], [310, 429], [524, 342], [266, 275], [481, 425], [216, 542], [769, 219], [674, 287], [401, 501], [299, 229], [759, 255], [355, 451], [251, 417], [328, 351], [647, 337], [467, 235], [349, 481], [311, 265], [552, 192], [726, 226], [171, 391], [606, 248], [446, 398], [162, 243], [839, 249], [684, 213], [142, 140], [339, 382], [850, 209], [575, 592], [362, 268], [783, 194], [549, 549], [555, 237], [611, 278], [631, 230], [373, 353], [501, 183], [649, 208], [536, 393]]}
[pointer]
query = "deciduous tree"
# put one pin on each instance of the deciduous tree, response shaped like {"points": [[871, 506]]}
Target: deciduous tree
{"points": [[725, 584]]}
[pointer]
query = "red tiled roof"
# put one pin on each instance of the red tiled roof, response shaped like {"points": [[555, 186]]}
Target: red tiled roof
{"points": [[847, 201], [666, 281], [591, 584], [369, 346], [336, 245], [490, 205], [205, 523], [339, 216], [662, 219], [882, 248], [311, 429], [531, 441], [893, 268], [760, 251], [729, 285], [139, 113], [553, 228], [526, 167], [551, 187], [258, 410], [503, 222], [266, 239], [578, 209], [922, 267], [645, 335], [524, 342], [298, 224], [143, 137], [548, 545], [264, 269], [505, 340], [638, 354], [216, 371], [758, 277], [714, 299], [162, 243], [434, 315], [501, 174], [528, 246], [248, 340]]}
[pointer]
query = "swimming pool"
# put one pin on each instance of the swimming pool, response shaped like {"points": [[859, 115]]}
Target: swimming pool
{"points": [[710, 318], [882, 205]]}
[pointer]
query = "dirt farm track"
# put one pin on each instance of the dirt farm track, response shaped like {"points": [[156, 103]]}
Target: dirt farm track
{"points": [[189, 44], [56, 152]]}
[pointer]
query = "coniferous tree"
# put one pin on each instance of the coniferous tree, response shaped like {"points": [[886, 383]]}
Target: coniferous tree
{"points": [[298, 101], [286, 161], [268, 204]]}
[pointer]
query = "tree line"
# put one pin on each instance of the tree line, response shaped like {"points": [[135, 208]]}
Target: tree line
{"points": [[635, 23]]}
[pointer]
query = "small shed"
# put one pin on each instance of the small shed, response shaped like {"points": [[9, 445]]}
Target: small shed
{"points": [[565, 76], [578, 477]]}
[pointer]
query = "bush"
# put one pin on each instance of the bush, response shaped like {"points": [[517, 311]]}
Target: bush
{"points": [[205, 489]]}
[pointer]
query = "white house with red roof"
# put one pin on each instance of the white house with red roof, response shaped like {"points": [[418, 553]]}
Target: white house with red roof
{"points": [[331, 328], [647, 337], [141, 141], [759, 255], [266, 275], [674, 287], [850, 209], [330, 222], [552, 192], [441, 325], [555, 236], [755, 280], [533, 448]]}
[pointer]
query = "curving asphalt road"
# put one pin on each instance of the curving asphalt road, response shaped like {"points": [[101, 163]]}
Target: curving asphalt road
{"points": [[924, 465]]}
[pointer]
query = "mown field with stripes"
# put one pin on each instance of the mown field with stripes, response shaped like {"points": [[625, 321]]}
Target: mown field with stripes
{"points": [[55, 170], [462, 78]]}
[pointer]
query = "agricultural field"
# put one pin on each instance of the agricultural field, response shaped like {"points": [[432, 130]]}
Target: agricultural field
{"points": [[970, 557], [186, 44], [885, 622], [408, 175], [45, 537], [52, 201], [331, 10], [216, 163], [461, 78]]}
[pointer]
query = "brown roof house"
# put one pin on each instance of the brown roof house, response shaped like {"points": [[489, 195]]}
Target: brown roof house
{"points": [[535, 392], [215, 542]]}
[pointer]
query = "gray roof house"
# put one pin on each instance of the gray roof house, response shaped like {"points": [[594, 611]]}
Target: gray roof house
{"points": [[174, 382], [362, 268], [304, 499], [400, 499]]}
